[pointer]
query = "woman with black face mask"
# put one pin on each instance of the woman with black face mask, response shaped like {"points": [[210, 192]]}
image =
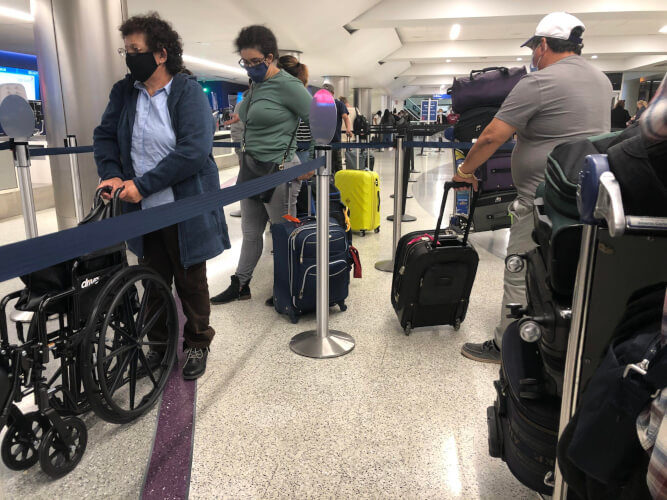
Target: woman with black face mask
{"points": [[271, 113], [155, 142]]}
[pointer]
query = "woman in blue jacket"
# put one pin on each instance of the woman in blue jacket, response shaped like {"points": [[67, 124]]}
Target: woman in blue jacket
{"points": [[155, 142]]}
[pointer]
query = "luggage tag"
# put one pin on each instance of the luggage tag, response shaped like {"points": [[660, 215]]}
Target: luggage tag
{"points": [[289, 218], [423, 237], [356, 262]]}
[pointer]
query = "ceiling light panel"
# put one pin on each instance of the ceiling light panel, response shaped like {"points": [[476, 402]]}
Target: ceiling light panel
{"points": [[455, 31]]}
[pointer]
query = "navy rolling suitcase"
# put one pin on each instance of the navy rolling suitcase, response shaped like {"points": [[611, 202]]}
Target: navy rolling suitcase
{"points": [[295, 270], [432, 282]]}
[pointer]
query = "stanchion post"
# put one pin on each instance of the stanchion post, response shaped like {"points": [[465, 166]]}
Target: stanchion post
{"points": [[388, 265], [22, 164], [322, 343], [70, 142]]}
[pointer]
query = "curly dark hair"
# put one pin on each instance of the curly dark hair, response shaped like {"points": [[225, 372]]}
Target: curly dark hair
{"points": [[257, 37], [159, 35]]}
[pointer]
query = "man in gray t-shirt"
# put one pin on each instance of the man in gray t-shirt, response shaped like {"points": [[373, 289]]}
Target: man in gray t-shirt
{"points": [[566, 99]]}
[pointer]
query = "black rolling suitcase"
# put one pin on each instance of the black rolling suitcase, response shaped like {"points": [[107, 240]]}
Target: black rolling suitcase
{"points": [[432, 283], [523, 424]]}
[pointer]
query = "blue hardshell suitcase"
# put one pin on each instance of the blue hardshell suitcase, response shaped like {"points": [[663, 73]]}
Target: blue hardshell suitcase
{"points": [[295, 270]]}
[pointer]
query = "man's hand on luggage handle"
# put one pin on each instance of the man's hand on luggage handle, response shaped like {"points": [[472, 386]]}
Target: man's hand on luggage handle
{"points": [[305, 177], [470, 180]]}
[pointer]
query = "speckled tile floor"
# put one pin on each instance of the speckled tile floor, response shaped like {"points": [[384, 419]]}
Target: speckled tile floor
{"points": [[398, 417]]}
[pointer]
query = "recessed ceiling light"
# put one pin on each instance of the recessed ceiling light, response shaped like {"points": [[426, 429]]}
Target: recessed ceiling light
{"points": [[16, 14], [455, 31], [448, 60], [594, 57], [663, 29], [519, 58]]}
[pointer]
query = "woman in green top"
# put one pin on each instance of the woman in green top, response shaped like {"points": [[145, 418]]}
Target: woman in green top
{"points": [[271, 113]]}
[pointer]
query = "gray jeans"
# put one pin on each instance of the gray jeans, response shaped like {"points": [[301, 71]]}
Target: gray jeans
{"points": [[255, 215], [520, 241]]}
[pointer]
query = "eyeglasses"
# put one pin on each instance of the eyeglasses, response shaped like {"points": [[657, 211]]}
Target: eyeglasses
{"points": [[124, 52], [253, 62]]}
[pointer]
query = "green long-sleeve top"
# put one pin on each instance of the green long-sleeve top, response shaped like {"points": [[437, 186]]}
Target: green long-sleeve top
{"points": [[271, 114]]}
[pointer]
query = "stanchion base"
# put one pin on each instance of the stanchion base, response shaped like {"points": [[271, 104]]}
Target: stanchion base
{"points": [[404, 218], [407, 197], [415, 171], [421, 154], [412, 180], [311, 345], [235, 213], [385, 265]]}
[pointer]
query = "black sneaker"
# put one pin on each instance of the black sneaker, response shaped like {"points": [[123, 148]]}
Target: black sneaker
{"points": [[195, 364], [486, 352], [235, 291]]}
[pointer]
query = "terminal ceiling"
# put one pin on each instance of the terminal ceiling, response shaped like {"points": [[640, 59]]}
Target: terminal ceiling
{"points": [[396, 47]]}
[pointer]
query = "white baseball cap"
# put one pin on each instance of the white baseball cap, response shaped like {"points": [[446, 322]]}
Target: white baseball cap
{"points": [[557, 25]]}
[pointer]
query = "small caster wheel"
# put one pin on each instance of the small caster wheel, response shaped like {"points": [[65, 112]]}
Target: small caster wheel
{"points": [[343, 306], [294, 319], [408, 329], [363, 233], [55, 457], [377, 229], [20, 446], [457, 325]]}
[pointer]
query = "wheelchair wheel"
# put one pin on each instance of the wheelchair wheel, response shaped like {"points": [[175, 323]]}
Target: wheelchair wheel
{"points": [[21, 442], [55, 457], [120, 383]]}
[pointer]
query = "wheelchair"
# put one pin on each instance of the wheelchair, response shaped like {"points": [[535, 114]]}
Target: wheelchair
{"points": [[93, 315]]}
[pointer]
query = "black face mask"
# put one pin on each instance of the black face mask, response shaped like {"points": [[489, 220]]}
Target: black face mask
{"points": [[142, 65]]}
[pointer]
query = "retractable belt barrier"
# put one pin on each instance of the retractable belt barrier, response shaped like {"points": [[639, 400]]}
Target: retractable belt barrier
{"points": [[300, 145], [37, 253]]}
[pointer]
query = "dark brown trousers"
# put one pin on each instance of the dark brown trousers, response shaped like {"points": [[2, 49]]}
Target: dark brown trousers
{"points": [[162, 254]]}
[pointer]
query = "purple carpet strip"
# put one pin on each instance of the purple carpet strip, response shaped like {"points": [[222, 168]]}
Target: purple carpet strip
{"points": [[168, 472]]}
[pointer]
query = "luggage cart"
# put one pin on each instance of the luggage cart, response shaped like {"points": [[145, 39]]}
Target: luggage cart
{"points": [[609, 272]]}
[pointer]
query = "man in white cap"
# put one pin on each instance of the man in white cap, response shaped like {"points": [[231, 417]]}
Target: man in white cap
{"points": [[563, 98]]}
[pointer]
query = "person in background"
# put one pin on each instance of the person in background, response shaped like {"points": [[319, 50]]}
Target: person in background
{"points": [[352, 115], [298, 70], [619, 115], [342, 115], [377, 117], [540, 110], [155, 142], [641, 107], [388, 121], [271, 112]]}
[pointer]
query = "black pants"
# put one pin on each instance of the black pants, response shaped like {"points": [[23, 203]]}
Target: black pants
{"points": [[162, 254], [337, 160]]}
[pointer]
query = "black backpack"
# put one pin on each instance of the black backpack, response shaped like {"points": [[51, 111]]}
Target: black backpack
{"points": [[361, 127]]}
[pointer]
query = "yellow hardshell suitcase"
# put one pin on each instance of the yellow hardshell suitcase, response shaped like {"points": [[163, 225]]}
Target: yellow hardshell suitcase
{"points": [[360, 192]]}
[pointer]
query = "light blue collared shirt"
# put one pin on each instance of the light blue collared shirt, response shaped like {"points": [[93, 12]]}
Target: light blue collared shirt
{"points": [[153, 138]]}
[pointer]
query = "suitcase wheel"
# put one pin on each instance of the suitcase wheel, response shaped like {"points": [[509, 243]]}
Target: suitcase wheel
{"points": [[363, 232], [343, 306], [377, 229], [408, 328], [457, 325], [293, 317]]}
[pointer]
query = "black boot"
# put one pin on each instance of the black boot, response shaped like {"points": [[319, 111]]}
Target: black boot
{"points": [[195, 364], [235, 291]]}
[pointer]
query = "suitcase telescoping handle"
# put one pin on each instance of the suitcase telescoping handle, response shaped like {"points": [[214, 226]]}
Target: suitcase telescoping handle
{"points": [[503, 69], [475, 195]]}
